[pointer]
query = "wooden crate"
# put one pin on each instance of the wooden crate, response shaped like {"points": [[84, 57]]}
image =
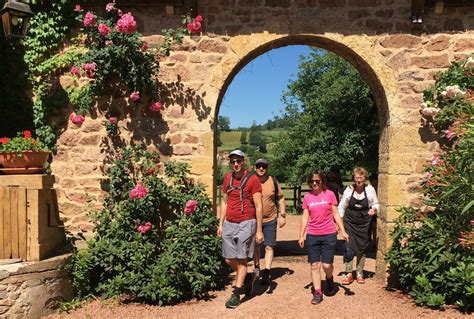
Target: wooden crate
{"points": [[30, 228]]}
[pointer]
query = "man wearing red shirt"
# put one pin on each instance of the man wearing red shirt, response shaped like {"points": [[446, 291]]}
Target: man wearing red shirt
{"points": [[241, 221]]}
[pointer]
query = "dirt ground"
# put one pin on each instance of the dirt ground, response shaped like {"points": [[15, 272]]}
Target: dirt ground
{"points": [[287, 297]]}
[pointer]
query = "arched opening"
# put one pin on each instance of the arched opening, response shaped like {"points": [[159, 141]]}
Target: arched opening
{"points": [[362, 66]]}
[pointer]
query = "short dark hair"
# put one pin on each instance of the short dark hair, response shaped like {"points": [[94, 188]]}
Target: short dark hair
{"points": [[321, 174]]}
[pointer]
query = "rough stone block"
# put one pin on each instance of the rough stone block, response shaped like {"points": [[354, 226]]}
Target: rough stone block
{"points": [[400, 41], [431, 62]]}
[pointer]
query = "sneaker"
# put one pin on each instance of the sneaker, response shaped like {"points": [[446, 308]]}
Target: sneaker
{"points": [[266, 278], [233, 301], [330, 287], [317, 298], [249, 283], [360, 279], [347, 280]]}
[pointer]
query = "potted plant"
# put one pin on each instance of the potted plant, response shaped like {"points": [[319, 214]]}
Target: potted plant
{"points": [[22, 154]]}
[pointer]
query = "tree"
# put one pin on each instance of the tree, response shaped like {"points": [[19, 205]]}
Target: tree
{"points": [[223, 123], [243, 138], [257, 139], [330, 116]]}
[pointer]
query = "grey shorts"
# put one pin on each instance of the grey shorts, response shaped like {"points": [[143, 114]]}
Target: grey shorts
{"points": [[269, 233], [238, 239]]}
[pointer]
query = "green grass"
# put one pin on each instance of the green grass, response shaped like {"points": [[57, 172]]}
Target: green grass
{"points": [[231, 140]]}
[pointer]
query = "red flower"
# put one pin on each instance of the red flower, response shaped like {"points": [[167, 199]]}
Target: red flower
{"points": [[76, 119], [190, 207], [27, 134], [138, 192], [4, 140], [156, 106], [77, 8], [145, 228], [112, 120], [126, 24]]}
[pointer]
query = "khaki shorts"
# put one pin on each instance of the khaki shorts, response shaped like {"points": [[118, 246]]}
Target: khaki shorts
{"points": [[238, 239]]}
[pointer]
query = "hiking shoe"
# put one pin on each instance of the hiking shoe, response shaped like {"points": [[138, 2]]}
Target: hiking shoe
{"points": [[347, 280], [266, 278], [256, 272], [317, 298], [330, 286], [233, 301], [249, 283], [360, 279]]}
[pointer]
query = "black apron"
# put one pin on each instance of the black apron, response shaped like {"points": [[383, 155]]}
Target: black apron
{"points": [[357, 223]]}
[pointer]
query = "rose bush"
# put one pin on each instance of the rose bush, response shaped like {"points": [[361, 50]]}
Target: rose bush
{"points": [[431, 256]]}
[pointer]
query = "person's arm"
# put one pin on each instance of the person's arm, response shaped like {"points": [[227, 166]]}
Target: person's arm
{"points": [[257, 200], [304, 224], [282, 204], [223, 212], [373, 201], [339, 222], [344, 202]]}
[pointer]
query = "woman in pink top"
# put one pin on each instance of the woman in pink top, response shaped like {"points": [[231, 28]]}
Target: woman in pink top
{"points": [[319, 214]]}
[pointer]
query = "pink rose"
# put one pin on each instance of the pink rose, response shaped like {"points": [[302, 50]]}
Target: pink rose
{"points": [[145, 228], [138, 192], [89, 68], [89, 19], [134, 96], [119, 13], [126, 24], [112, 120], [75, 71], [156, 106], [449, 134], [194, 27], [190, 207], [110, 6], [77, 8], [76, 119], [435, 161], [145, 46], [198, 19], [108, 42], [104, 30]]}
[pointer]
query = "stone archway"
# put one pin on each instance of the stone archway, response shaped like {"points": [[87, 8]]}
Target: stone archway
{"points": [[377, 77]]}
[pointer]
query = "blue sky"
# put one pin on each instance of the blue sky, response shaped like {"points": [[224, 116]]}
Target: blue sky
{"points": [[255, 93]]}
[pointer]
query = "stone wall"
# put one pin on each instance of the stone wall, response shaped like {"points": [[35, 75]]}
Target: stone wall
{"points": [[373, 35], [33, 289]]}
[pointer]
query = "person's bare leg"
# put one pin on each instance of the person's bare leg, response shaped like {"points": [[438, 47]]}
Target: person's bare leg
{"points": [[268, 257]]}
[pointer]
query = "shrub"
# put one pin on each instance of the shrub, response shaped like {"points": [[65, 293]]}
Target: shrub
{"points": [[154, 240], [431, 256]]}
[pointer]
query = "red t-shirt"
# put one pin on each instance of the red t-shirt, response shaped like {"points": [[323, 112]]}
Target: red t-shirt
{"points": [[234, 213]]}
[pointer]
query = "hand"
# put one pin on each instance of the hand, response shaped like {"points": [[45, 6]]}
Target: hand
{"points": [[281, 221], [219, 231], [259, 238], [301, 242], [371, 212], [345, 236]]}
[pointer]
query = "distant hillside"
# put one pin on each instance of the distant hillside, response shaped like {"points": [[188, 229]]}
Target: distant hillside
{"points": [[231, 139]]}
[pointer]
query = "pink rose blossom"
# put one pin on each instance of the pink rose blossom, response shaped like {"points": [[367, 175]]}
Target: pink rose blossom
{"points": [[104, 30], [430, 111], [89, 68], [190, 207], [194, 26], [156, 106], [449, 134], [110, 6], [77, 8], [134, 96], [75, 71], [126, 24], [89, 19], [112, 120], [452, 91], [76, 119], [138, 192], [119, 12], [145, 46], [108, 42], [435, 161], [145, 228]]}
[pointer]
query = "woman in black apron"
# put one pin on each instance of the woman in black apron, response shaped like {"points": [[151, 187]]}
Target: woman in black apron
{"points": [[358, 204]]}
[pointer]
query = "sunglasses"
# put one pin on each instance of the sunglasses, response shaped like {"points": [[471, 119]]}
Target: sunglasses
{"points": [[261, 166], [317, 181], [236, 161]]}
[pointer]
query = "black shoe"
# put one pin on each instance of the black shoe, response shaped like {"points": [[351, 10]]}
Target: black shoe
{"points": [[233, 301], [266, 277], [317, 298], [330, 287], [249, 283]]}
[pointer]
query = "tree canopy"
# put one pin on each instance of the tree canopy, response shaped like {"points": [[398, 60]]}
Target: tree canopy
{"points": [[331, 119]]}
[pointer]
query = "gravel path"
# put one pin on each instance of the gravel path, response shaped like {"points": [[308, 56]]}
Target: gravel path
{"points": [[288, 296]]}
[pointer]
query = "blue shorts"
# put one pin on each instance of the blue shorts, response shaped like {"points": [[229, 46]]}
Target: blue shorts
{"points": [[321, 248], [269, 233]]}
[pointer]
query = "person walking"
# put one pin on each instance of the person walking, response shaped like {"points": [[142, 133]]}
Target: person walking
{"points": [[240, 224], [272, 199], [357, 206], [319, 220]]}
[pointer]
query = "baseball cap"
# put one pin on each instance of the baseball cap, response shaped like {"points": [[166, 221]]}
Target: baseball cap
{"points": [[261, 161], [237, 153]]}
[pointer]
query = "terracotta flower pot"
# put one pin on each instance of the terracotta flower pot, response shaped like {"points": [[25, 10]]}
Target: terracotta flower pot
{"points": [[28, 159]]}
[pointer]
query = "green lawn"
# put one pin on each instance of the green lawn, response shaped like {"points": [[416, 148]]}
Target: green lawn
{"points": [[231, 139]]}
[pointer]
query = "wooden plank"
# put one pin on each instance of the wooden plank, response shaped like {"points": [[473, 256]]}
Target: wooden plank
{"points": [[2, 199], [7, 235], [14, 221], [22, 220], [34, 181]]}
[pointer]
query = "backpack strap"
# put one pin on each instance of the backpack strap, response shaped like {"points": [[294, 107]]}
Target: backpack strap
{"points": [[240, 188]]}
